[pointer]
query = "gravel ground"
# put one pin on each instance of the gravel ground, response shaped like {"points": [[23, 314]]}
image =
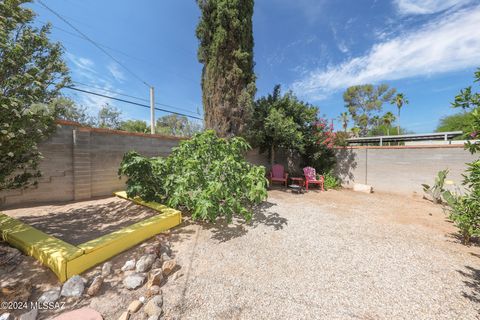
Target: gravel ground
{"points": [[333, 255]]}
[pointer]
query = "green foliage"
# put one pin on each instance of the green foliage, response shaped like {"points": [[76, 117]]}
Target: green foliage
{"points": [[341, 138], [464, 212], [177, 126], [109, 117], [344, 119], [75, 113], [399, 100], [388, 119], [461, 121], [32, 73], [465, 208], [363, 101], [438, 190], [331, 181], [280, 121], [319, 143], [206, 175], [226, 52], [134, 126]]}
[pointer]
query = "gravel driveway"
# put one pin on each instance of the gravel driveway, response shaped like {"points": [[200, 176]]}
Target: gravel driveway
{"points": [[333, 255]]}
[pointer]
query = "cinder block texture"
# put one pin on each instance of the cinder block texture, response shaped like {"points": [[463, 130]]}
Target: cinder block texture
{"points": [[81, 163]]}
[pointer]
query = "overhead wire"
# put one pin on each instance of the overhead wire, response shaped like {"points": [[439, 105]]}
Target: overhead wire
{"points": [[98, 46], [131, 102], [132, 97]]}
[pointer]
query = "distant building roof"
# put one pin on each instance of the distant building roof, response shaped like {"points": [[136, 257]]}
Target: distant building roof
{"points": [[407, 137]]}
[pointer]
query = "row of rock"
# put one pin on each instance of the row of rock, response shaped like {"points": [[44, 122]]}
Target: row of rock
{"points": [[153, 268]]}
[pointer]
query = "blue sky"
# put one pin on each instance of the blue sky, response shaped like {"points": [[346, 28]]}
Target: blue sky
{"points": [[426, 49]]}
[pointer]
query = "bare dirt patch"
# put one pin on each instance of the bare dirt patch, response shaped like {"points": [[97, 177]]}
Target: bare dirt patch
{"points": [[80, 222]]}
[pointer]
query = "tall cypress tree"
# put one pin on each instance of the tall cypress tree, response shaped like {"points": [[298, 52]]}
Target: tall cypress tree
{"points": [[226, 51]]}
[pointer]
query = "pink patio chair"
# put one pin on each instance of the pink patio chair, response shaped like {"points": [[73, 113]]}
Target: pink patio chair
{"points": [[311, 178], [278, 174]]}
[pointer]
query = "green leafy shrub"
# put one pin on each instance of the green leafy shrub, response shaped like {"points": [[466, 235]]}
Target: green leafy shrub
{"points": [[465, 208], [205, 175], [331, 181], [438, 189]]}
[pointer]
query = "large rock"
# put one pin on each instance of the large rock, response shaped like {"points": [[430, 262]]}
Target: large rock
{"points": [[80, 314], [165, 257], [95, 286], [129, 265], [153, 291], [49, 296], [6, 316], [124, 316], [169, 266], [155, 277], [134, 281], [134, 306], [145, 263], [31, 315], [154, 306], [73, 287], [154, 249], [157, 264], [106, 269], [362, 188]]}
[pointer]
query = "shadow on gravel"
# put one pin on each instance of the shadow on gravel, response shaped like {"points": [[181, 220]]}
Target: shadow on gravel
{"points": [[223, 231], [472, 282]]}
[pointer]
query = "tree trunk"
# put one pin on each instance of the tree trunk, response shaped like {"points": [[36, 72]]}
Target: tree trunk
{"points": [[272, 155], [398, 123]]}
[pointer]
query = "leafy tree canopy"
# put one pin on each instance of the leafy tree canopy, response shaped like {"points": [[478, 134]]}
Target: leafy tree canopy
{"points": [[364, 101], [280, 121], [226, 52], [109, 117], [205, 175], [32, 73], [461, 121], [177, 126], [134, 126]]}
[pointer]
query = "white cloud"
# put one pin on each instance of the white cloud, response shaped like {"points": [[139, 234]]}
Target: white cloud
{"points": [[451, 42], [83, 71], [408, 7], [116, 72]]}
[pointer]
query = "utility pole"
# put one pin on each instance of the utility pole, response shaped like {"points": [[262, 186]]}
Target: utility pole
{"points": [[152, 111]]}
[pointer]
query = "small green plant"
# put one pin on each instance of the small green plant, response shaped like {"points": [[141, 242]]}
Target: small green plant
{"points": [[206, 175], [464, 209], [437, 190], [331, 181]]}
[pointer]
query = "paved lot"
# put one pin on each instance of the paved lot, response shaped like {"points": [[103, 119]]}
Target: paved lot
{"points": [[333, 255]]}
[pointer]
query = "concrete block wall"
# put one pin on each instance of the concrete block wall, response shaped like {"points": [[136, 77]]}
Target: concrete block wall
{"points": [[82, 163], [401, 169]]}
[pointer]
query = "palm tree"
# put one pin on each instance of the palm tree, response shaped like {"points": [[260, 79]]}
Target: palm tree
{"points": [[375, 121], [344, 118], [388, 119], [356, 131], [399, 100]]}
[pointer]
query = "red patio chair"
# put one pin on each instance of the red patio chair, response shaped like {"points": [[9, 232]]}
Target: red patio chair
{"points": [[278, 174], [311, 178]]}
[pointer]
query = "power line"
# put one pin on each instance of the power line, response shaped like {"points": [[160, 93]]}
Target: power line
{"points": [[93, 42], [130, 96], [144, 61], [131, 102]]}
